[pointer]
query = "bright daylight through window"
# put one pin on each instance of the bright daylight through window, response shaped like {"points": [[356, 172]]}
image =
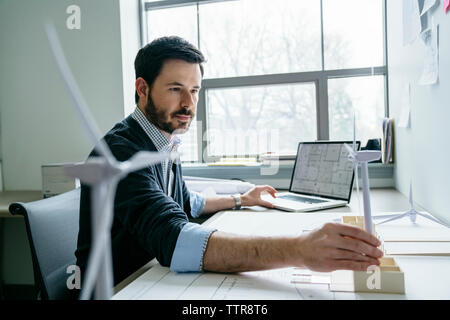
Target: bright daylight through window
{"points": [[279, 72]]}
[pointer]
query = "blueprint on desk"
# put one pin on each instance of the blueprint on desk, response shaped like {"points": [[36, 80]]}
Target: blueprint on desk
{"points": [[159, 283], [271, 223], [278, 284]]}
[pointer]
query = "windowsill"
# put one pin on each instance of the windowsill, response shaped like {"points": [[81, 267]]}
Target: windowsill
{"points": [[380, 175]]}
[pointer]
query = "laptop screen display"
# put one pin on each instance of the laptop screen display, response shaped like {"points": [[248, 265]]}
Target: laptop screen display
{"points": [[323, 169]]}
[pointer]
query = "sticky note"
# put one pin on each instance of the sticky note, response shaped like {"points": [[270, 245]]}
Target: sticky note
{"points": [[446, 5]]}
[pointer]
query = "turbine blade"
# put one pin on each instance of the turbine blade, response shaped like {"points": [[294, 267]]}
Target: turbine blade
{"points": [[395, 217], [105, 279], [144, 159], [432, 219], [384, 216], [350, 150], [103, 197], [75, 94], [99, 197], [90, 172]]}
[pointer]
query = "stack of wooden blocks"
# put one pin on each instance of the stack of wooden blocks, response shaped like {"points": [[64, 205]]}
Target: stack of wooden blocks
{"points": [[385, 278]]}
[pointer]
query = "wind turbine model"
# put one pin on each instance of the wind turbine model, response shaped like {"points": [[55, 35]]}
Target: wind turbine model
{"points": [[102, 174], [355, 164], [362, 158], [411, 213]]}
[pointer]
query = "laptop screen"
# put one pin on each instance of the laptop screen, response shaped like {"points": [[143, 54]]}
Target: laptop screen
{"points": [[323, 169]]}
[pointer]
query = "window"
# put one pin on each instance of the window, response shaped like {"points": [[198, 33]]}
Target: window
{"points": [[365, 96], [262, 37], [237, 125], [185, 26], [353, 33], [279, 72]]}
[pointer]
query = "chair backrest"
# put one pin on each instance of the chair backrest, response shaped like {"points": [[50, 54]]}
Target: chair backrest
{"points": [[52, 226]]}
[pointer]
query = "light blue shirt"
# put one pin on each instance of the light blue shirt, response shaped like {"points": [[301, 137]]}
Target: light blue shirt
{"points": [[193, 238], [197, 201]]}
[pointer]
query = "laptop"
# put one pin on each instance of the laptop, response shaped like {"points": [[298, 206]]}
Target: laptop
{"points": [[322, 178]]}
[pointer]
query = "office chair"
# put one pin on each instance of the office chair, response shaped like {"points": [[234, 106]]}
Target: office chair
{"points": [[52, 228]]}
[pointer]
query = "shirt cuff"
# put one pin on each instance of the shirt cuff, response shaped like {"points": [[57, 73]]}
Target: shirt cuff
{"points": [[197, 201], [190, 247]]}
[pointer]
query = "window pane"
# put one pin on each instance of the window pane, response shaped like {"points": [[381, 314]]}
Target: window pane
{"points": [[253, 37], [179, 21], [182, 22], [189, 145], [366, 96], [253, 120], [353, 33]]}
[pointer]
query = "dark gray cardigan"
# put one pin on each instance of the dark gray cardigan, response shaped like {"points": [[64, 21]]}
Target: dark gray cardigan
{"points": [[146, 222]]}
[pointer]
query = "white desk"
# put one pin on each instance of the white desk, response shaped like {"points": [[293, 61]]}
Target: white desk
{"points": [[425, 277]]}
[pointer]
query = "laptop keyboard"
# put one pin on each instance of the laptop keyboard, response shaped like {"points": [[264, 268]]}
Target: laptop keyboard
{"points": [[300, 199]]}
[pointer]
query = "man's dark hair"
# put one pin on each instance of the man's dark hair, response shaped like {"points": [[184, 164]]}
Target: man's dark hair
{"points": [[150, 59]]}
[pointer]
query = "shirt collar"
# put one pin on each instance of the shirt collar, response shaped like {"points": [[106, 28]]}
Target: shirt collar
{"points": [[161, 142]]}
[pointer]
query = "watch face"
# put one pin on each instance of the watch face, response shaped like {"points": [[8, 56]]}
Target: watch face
{"points": [[237, 199]]}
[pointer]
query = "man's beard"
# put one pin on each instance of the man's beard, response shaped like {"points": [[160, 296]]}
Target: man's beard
{"points": [[159, 117]]}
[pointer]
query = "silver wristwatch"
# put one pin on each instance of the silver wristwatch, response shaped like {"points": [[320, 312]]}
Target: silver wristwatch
{"points": [[237, 199]]}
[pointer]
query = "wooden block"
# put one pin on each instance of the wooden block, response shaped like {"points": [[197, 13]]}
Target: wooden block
{"points": [[357, 221], [382, 279], [385, 278]]}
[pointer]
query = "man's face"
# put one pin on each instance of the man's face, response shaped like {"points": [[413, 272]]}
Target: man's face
{"points": [[172, 102]]}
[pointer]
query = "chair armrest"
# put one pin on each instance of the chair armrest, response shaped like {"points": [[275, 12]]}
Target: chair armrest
{"points": [[17, 208]]}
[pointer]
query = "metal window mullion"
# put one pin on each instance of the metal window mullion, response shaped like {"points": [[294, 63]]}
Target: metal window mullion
{"points": [[322, 108], [289, 78], [322, 37], [257, 81], [359, 72], [198, 26], [201, 130], [176, 3], [385, 52], [144, 23]]}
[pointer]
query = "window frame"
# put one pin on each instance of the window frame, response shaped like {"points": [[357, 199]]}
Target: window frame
{"points": [[319, 78]]}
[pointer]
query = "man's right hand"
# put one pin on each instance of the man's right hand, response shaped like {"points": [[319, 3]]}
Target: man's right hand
{"points": [[337, 246]]}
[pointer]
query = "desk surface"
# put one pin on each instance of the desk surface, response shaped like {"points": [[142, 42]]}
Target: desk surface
{"points": [[425, 277], [8, 197]]}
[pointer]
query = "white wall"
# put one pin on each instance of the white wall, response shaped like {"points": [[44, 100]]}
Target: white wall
{"points": [[422, 152], [38, 124], [130, 44], [37, 121]]}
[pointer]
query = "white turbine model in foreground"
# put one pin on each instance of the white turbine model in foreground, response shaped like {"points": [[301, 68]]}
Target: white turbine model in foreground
{"points": [[355, 165], [411, 213], [362, 158], [103, 174]]}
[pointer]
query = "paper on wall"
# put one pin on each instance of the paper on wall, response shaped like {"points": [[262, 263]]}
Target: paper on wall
{"points": [[411, 21], [405, 112], [430, 73], [386, 146]]}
